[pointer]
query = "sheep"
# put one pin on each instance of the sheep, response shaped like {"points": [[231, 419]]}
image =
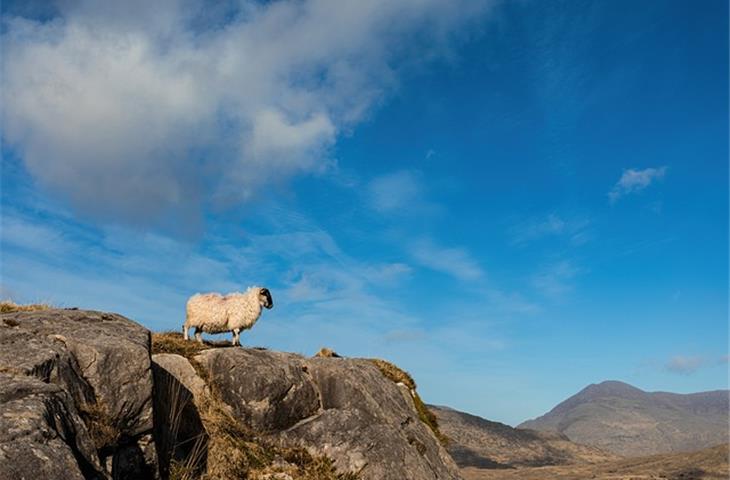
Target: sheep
{"points": [[216, 313]]}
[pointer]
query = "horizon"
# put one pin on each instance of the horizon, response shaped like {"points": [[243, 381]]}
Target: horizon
{"points": [[509, 200]]}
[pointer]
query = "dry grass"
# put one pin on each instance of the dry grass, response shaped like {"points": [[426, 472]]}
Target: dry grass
{"points": [[192, 466], [173, 342], [394, 373], [325, 352], [103, 431], [399, 375], [8, 306]]}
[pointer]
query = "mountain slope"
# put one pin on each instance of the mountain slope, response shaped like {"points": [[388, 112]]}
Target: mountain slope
{"points": [[480, 443], [625, 420], [706, 464]]}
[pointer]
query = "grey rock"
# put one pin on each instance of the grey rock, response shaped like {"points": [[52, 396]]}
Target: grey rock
{"points": [[180, 368], [42, 434], [112, 354], [343, 408], [269, 391], [179, 430], [101, 361]]}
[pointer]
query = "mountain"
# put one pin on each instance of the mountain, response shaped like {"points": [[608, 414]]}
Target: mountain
{"points": [[619, 418], [480, 443]]}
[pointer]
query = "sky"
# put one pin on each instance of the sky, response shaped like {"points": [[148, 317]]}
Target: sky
{"points": [[510, 200]]}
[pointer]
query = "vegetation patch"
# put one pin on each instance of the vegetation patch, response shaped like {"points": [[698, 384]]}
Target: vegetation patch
{"points": [[398, 375], [325, 352], [7, 306], [173, 342], [102, 429]]}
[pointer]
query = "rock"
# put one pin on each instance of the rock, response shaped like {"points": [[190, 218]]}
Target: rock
{"points": [[342, 408], [269, 391], [179, 430], [370, 423], [42, 434], [102, 361], [180, 368]]}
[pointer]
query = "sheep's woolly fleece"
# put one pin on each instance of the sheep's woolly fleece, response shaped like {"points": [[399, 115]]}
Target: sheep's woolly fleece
{"points": [[216, 313]]}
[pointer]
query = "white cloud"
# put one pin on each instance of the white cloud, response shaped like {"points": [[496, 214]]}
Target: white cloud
{"points": [[137, 110], [453, 261], [632, 181], [684, 365], [396, 192]]}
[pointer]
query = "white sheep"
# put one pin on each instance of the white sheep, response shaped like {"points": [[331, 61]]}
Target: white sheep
{"points": [[216, 313]]}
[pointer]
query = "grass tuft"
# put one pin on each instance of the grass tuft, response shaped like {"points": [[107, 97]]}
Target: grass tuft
{"points": [[173, 342], [398, 375], [103, 431], [325, 352], [8, 306]]}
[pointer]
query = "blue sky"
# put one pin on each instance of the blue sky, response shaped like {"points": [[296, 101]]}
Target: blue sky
{"points": [[511, 200]]}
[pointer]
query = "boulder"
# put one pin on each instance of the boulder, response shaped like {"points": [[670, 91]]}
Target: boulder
{"points": [[268, 391], [101, 362], [342, 408]]}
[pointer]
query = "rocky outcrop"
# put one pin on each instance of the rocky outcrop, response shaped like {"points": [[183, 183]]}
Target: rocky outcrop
{"points": [[342, 408], [86, 384], [81, 397]]}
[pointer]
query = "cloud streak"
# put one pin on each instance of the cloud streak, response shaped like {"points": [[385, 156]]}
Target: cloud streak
{"points": [[454, 261], [135, 111], [633, 181]]}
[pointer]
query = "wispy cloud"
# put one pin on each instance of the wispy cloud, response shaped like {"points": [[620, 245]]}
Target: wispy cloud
{"points": [[190, 104], [395, 192], [454, 261], [684, 365], [633, 181], [551, 225], [556, 280]]}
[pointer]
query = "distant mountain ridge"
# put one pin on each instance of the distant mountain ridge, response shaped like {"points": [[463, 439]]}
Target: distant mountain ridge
{"points": [[620, 418], [477, 442]]}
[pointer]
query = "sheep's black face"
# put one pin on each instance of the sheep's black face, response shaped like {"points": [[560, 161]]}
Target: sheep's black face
{"points": [[265, 297]]}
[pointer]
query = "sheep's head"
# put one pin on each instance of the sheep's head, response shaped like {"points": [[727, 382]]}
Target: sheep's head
{"points": [[265, 298]]}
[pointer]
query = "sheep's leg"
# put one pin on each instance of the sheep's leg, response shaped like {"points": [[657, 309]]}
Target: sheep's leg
{"points": [[198, 335], [185, 332], [236, 332]]}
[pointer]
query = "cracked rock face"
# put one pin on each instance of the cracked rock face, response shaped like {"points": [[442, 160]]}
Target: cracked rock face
{"points": [[343, 408], [82, 365], [41, 432]]}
